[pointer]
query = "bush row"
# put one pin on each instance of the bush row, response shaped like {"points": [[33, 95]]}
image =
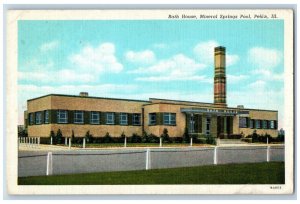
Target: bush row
{"points": [[134, 138], [254, 137]]}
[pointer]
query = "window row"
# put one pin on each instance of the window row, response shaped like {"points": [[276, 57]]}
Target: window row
{"points": [[162, 119], [84, 117], [245, 122]]}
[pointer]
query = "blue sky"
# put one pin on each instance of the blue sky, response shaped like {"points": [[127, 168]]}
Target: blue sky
{"points": [[170, 59]]}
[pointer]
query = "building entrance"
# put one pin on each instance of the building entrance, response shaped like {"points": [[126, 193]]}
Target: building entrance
{"points": [[224, 126]]}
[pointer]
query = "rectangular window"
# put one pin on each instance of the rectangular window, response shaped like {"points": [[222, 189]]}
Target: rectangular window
{"points": [[123, 119], [207, 126], [169, 118], [243, 122], [257, 124], [152, 118], [251, 123], [62, 116], [136, 119], [38, 118], [78, 117], [95, 117], [264, 124], [31, 119], [272, 124], [110, 118], [46, 115]]}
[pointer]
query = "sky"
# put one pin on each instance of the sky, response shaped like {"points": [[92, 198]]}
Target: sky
{"points": [[169, 59]]}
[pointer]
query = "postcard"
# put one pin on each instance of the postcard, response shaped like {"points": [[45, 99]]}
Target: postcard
{"points": [[150, 101]]}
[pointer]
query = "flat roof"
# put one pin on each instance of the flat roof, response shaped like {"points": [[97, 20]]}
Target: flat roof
{"points": [[149, 102]]}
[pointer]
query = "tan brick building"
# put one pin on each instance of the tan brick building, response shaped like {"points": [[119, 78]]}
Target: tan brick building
{"points": [[79, 114]]}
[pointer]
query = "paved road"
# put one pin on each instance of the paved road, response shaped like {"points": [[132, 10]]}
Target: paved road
{"points": [[33, 163]]}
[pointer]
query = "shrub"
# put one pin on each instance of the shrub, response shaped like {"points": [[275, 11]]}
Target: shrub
{"points": [[254, 136], [153, 138], [135, 138], [177, 139], [210, 140], [88, 137], [107, 138], [52, 135], [145, 137]]}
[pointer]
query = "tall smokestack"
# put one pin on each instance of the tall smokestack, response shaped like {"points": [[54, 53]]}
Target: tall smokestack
{"points": [[220, 77]]}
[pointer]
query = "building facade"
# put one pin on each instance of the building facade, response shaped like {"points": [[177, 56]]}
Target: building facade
{"points": [[75, 115]]}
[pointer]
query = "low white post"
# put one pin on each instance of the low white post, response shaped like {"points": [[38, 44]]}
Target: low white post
{"points": [[160, 142], [215, 156], [69, 143], [83, 145], [218, 141], [268, 153], [51, 140], [267, 141], [191, 143], [39, 141], [125, 142], [49, 164], [66, 141], [148, 159]]}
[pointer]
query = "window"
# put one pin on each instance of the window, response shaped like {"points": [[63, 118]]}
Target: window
{"points": [[110, 118], [78, 117], [251, 124], [136, 120], [95, 117], [38, 118], [123, 119], [169, 119], [264, 124], [152, 118], [62, 116], [46, 115], [257, 124], [31, 119], [243, 122], [207, 126], [272, 124]]}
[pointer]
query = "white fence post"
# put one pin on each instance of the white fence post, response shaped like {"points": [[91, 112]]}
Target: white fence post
{"points": [[39, 140], [215, 156], [125, 142], [160, 142], [83, 143], [191, 143], [49, 164], [69, 143], [148, 159], [51, 140], [268, 153], [66, 141]]}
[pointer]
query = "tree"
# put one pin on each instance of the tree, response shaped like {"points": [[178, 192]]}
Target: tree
{"points": [[59, 136], [186, 137], [165, 136]]}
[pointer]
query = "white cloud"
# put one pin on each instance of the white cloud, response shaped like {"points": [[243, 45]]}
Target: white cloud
{"points": [[264, 58], [178, 67], [268, 75], [231, 60], [257, 85], [97, 59], [204, 53], [235, 78], [49, 46], [142, 57]]}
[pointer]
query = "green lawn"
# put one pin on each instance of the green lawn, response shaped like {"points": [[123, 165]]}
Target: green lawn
{"points": [[258, 173]]}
